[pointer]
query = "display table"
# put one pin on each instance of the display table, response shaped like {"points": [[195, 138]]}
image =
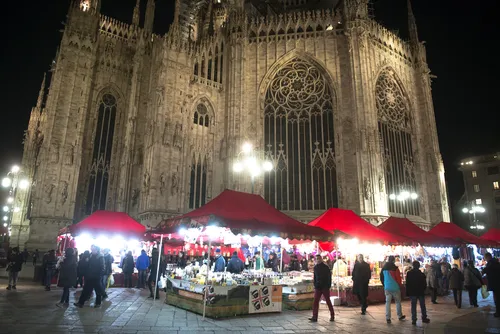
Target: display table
{"points": [[376, 295], [298, 297], [224, 301]]}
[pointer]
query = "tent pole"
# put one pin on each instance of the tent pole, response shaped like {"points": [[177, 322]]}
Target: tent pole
{"points": [[160, 250], [205, 294], [338, 267], [281, 261]]}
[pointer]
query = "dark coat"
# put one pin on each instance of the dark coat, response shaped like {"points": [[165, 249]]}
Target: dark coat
{"points": [[304, 264], [67, 272], [294, 265], [16, 261], [322, 276], [273, 264], [235, 265], [361, 275], [153, 267], [416, 282], [128, 264], [492, 271], [108, 264], [220, 264], [95, 267], [456, 278]]}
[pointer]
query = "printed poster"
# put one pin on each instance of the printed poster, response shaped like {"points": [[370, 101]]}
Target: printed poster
{"points": [[265, 299]]}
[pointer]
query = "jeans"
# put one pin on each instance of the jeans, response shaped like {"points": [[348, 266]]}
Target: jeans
{"points": [[104, 283], [496, 299], [363, 302], [141, 281], [48, 278], [388, 299], [472, 295], [317, 297], [127, 280], [457, 295], [65, 295], [91, 284], [423, 309], [13, 275]]}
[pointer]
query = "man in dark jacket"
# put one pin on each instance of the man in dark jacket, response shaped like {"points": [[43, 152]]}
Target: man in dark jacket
{"points": [[361, 275], [456, 284], [49, 265], [220, 262], [93, 274], [416, 283], [322, 285], [153, 269], [492, 271], [272, 262], [294, 264], [108, 271], [15, 265], [235, 265]]}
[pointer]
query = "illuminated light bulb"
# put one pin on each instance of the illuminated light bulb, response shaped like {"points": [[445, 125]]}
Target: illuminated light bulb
{"points": [[10, 200], [267, 166], [6, 182], [414, 196], [24, 184], [247, 148], [6, 208], [392, 196], [465, 210], [15, 169], [16, 209]]}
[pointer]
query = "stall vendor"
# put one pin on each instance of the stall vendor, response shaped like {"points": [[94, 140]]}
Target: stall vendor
{"points": [[259, 262], [220, 262]]}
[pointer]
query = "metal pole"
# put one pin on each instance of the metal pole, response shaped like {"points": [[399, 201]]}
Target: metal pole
{"points": [[338, 274], [281, 262], [160, 250], [205, 294]]}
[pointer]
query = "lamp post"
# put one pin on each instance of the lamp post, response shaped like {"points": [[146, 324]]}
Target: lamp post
{"points": [[403, 197], [252, 162], [13, 181], [472, 209]]}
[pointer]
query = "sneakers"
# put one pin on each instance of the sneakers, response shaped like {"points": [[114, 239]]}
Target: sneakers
{"points": [[414, 322], [332, 319], [426, 320], [60, 305], [313, 320], [363, 312], [401, 318], [97, 305]]}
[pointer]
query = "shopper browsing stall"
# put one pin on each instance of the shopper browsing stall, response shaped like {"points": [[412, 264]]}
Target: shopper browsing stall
{"points": [[391, 279], [220, 262]]}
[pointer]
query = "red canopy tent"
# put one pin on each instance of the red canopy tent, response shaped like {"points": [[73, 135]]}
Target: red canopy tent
{"points": [[405, 228], [493, 234], [453, 232], [243, 213], [339, 221], [107, 222]]}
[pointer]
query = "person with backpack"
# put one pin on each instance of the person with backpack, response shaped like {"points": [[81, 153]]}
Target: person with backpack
{"points": [[49, 265], [390, 276], [456, 282], [128, 269]]}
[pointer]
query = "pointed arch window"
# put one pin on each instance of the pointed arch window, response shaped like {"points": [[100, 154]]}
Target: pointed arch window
{"points": [[395, 130], [101, 155], [299, 138]]}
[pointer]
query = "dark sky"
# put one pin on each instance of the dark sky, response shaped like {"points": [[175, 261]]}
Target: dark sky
{"points": [[460, 38]]}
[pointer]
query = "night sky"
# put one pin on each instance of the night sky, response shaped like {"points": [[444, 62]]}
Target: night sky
{"points": [[460, 38]]}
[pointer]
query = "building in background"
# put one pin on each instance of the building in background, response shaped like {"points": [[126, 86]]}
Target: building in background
{"points": [[482, 190], [151, 125]]}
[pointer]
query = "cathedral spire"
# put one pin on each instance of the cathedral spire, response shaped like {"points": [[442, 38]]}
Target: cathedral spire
{"points": [[177, 12], [150, 16], [412, 25], [41, 94], [137, 13]]}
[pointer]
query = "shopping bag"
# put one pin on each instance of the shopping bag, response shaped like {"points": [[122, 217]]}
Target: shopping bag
{"points": [[162, 282], [484, 292], [111, 280]]}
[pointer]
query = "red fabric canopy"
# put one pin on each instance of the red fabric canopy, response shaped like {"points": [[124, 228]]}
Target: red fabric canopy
{"points": [[453, 232], [404, 227], [246, 214], [339, 221], [493, 234], [109, 222]]}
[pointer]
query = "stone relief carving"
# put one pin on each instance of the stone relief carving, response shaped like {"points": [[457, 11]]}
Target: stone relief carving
{"points": [[160, 91], [162, 183], [178, 136], [138, 156], [69, 155], [135, 197], [165, 138], [54, 154], [64, 192], [367, 188], [175, 184], [147, 179], [48, 193], [381, 183]]}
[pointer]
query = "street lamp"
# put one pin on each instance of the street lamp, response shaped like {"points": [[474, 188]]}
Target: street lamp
{"points": [[472, 209], [13, 181], [403, 197], [252, 162]]}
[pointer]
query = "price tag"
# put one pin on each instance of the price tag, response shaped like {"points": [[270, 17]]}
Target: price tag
{"points": [[309, 288]]}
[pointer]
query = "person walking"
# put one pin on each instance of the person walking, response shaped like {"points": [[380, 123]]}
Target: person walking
{"points": [[294, 264], [153, 269], [492, 271], [416, 283], [390, 276], [432, 280], [456, 281], [361, 275], [81, 268], [472, 281], [36, 255], [322, 285], [93, 274], [142, 265], [49, 265], [128, 269], [67, 275], [108, 271], [15, 264], [235, 265]]}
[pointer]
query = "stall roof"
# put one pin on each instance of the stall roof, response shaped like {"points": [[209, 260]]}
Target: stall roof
{"points": [[246, 214], [453, 232], [493, 234], [340, 221], [404, 227], [108, 222]]}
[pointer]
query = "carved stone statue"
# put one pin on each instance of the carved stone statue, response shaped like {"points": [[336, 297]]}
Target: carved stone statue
{"points": [[162, 183], [178, 136], [367, 188], [138, 156], [175, 184], [147, 179], [135, 197], [69, 155], [64, 192], [165, 137], [381, 183], [48, 193], [159, 96], [54, 154]]}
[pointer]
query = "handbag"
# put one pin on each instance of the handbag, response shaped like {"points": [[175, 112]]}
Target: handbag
{"points": [[484, 292], [111, 280], [162, 282]]}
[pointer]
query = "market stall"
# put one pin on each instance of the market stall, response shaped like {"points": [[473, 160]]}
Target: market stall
{"points": [[244, 221], [116, 231], [493, 234]]}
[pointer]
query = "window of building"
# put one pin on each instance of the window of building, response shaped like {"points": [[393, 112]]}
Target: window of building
{"points": [[493, 170], [497, 200], [476, 188], [474, 173], [479, 201], [495, 185]]}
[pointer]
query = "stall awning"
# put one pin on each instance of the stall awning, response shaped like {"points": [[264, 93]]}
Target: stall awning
{"points": [[340, 221], [493, 234], [453, 232], [108, 222], [244, 213], [405, 228]]}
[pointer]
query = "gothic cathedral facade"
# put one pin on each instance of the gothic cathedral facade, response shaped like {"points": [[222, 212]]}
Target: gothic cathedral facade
{"points": [[151, 125]]}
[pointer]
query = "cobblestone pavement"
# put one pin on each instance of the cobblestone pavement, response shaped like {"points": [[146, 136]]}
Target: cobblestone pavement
{"points": [[29, 309]]}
